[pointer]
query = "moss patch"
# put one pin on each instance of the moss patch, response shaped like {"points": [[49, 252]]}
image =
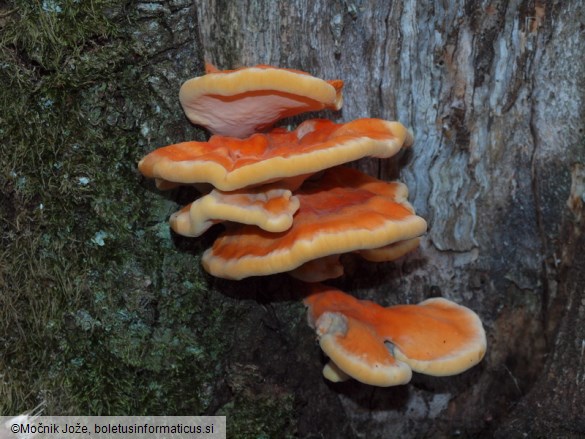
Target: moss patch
{"points": [[99, 312], [102, 310], [258, 408]]}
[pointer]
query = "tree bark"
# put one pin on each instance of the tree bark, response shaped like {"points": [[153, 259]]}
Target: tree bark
{"points": [[105, 312], [494, 95]]}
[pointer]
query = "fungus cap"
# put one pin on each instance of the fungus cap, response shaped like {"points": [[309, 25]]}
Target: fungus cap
{"points": [[343, 211], [240, 102], [436, 337], [318, 270], [390, 252], [229, 163], [330, 267], [332, 372], [269, 209], [354, 348]]}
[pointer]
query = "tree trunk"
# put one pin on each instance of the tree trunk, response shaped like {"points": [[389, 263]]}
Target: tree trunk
{"points": [[104, 312], [494, 95]]}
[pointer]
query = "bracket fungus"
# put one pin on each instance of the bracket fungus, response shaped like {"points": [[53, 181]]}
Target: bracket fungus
{"points": [[229, 163], [330, 267], [241, 102], [343, 211], [293, 208], [390, 252], [269, 209], [436, 337]]}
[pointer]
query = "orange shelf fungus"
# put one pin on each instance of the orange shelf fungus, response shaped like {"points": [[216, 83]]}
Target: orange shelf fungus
{"points": [[330, 267], [293, 208], [229, 163], [271, 210], [390, 252], [382, 346], [343, 211], [320, 269], [241, 102]]}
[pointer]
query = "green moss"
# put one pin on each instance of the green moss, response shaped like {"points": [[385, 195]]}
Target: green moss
{"points": [[99, 312]]}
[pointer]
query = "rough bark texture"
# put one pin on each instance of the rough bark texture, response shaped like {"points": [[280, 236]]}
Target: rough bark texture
{"points": [[494, 94]]}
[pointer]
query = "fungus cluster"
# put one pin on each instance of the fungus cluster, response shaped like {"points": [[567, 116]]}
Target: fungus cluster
{"points": [[290, 205], [382, 346]]}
